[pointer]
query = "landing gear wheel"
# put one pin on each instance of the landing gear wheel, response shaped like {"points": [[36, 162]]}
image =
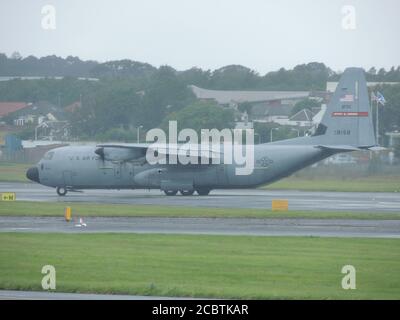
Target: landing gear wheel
{"points": [[61, 191], [186, 192], [203, 191], [170, 192]]}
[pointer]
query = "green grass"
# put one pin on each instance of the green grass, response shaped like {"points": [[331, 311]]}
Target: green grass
{"points": [[202, 266], [352, 184], [27, 208], [13, 172]]}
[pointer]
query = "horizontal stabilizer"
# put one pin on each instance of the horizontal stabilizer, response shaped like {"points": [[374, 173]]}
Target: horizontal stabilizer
{"points": [[338, 148], [377, 148]]}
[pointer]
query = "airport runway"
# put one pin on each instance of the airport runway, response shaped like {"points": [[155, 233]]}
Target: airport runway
{"points": [[239, 198], [208, 226]]}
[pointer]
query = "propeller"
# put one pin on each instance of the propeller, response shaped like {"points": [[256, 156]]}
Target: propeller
{"points": [[100, 153]]}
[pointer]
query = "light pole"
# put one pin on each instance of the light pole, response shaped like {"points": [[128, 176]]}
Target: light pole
{"points": [[59, 99], [271, 132], [138, 133], [377, 122], [298, 131]]}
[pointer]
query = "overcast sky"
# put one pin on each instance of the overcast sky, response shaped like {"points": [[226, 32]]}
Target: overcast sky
{"points": [[260, 34]]}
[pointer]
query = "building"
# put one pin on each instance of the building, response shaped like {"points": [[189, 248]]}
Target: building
{"points": [[394, 138], [10, 78], [303, 118], [331, 85], [47, 120], [21, 114], [263, 106], [7, 108], [53, 130], [244, 122], [273, 112], [73, 106], [233, 98]]}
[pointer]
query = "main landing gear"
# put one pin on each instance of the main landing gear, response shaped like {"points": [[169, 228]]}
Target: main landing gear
{"points": [[203, 191], [186, 192], [61, 191], [200, 191], [171, 192]]}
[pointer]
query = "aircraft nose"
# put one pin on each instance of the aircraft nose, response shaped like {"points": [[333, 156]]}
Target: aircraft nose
{"points": [[33, 174]]}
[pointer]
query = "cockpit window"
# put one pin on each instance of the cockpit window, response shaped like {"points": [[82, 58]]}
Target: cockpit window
{"points": [[48, 155]]}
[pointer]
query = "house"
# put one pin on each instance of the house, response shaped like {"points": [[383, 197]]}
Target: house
{"points": [[244, 122], [73, 106], [53, 131], [50, 122], [24, 120], [303, 118], [34, 114], [7, 108], [272, 112]]}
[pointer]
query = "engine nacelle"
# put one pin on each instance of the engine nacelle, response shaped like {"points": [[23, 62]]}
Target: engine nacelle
{"points": [[120, 154]]}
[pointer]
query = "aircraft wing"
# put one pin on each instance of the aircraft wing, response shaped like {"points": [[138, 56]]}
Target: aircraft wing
{"points": [[135, 151]]}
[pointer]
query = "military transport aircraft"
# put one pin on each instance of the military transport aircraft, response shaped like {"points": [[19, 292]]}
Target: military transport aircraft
{"points": [[346, 126]]}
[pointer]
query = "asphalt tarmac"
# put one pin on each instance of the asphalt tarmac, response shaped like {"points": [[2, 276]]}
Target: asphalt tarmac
{"points": [[207, 226], [238, 198]]}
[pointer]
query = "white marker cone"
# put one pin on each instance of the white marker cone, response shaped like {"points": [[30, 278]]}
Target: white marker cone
{"points": [[79, 224]]}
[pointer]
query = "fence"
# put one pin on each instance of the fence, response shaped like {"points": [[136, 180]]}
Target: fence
{"points": [[27, 155]]}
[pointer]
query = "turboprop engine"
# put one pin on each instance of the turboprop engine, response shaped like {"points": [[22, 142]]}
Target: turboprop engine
{"points": [[119, 154]]}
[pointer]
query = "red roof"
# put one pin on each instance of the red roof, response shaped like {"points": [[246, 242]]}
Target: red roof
{"points": [[10, 107], [72, 107]]}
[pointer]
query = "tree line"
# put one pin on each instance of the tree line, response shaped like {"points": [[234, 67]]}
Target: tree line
{"points": [[302, 77]]}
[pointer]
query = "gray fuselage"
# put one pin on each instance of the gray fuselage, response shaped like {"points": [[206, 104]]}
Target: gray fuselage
{"points": [[80, 168]]}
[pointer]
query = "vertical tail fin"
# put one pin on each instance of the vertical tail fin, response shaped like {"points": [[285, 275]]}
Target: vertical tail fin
{"points": [[348, 117]]}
